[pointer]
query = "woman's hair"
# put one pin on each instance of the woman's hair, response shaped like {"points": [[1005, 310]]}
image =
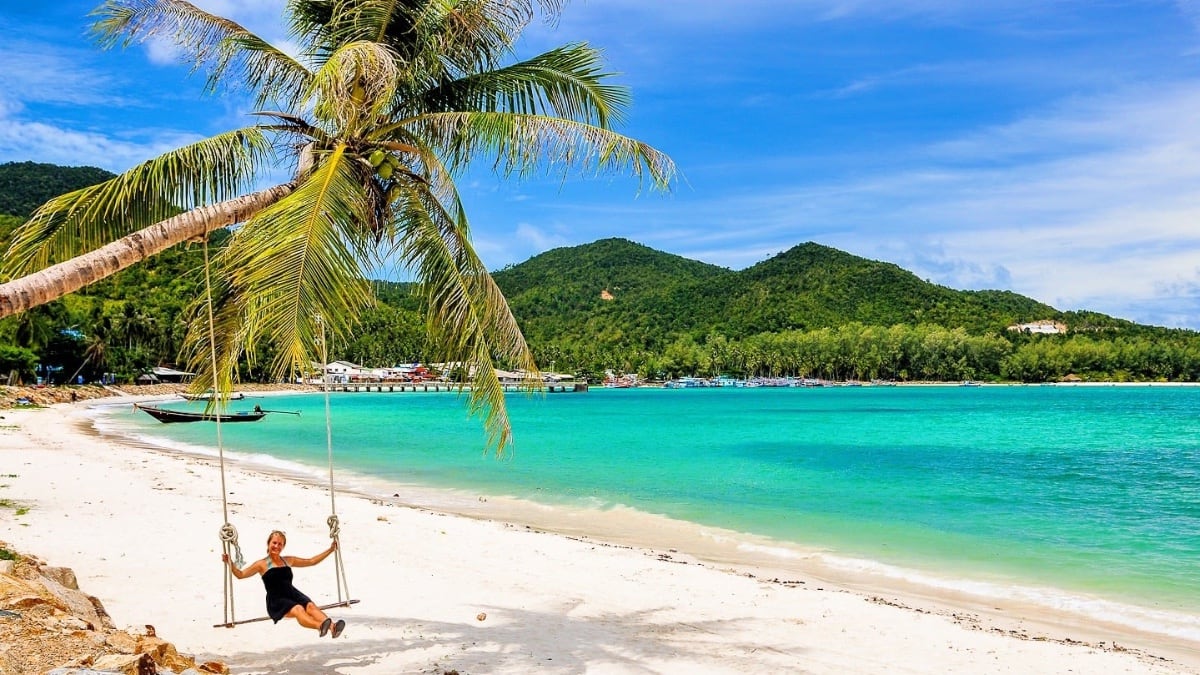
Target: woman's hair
{"points": [[277, 532]]}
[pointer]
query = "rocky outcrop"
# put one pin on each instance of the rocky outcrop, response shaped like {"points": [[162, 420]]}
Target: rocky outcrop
{"points": [[47, 625]]}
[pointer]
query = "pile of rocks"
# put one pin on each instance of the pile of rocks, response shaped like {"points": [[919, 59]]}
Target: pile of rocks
{"points": [[14, 396], [47, 625], [11, 396]]}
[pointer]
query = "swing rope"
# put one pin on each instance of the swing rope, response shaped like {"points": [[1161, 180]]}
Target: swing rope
{"points": [[228, 533], [335, 529]]}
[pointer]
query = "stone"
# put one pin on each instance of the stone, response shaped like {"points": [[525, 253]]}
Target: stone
{"points": [[17, 593], [127, 664], [63, 575], [47, 623], [163, 653], [75, 602], [122, 642], [73, 624]]}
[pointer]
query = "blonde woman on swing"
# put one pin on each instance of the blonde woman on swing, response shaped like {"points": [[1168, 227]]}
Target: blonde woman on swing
{"points": [[282, 597]]}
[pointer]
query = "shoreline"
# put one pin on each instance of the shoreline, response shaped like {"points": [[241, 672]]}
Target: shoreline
{"points": [[721, 615]]}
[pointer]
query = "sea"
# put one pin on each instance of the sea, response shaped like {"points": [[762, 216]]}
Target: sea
{"points": [[1083, 499]]}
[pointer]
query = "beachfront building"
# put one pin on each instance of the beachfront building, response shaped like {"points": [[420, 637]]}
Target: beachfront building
{"points": [[164, 374], [1040, 327], [408, 372], [342, 372]]}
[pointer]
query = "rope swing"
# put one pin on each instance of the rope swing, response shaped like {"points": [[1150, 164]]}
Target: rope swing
{"points": [[335, 529], [228, 533]]}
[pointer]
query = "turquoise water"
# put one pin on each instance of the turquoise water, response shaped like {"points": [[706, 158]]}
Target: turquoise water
{"points": [[1093, 490]]}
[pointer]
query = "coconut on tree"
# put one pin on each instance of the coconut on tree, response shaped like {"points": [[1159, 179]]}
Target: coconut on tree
{"points": [[385, 104]]}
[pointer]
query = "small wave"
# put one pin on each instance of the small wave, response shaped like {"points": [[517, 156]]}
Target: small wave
{"points": [[781, 552], [1163, 622]]}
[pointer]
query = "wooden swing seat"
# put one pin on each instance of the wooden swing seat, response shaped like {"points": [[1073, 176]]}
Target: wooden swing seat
{"points": [[231, 624]]}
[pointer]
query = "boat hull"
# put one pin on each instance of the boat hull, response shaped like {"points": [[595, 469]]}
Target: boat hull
{"points": [[172, 416]]}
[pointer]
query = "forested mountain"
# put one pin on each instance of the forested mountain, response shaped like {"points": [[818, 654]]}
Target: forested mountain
{"points": [[612, 290], [814, 286], [24, 186], [653, 297], [621, 306]]}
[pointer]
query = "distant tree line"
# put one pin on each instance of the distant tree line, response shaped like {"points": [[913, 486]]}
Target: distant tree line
{"points": [[901, 353]]}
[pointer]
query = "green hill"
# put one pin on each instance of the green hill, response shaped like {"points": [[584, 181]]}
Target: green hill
{"points": [[655, 296], [612, 290], [24, 186]]}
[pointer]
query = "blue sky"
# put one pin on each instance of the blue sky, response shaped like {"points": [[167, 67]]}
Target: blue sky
{"points": [[1048, 148]]}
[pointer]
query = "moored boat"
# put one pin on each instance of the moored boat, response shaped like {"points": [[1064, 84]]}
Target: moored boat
{"points": [[168, 416]]}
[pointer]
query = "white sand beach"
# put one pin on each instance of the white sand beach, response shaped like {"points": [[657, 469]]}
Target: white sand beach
{"points": [[482, 591]]}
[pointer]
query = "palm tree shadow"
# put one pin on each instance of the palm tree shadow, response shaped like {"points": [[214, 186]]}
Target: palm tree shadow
{"points": [[520, 640]]}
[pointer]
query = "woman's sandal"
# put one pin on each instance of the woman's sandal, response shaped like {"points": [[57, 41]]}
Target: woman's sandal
{"points": [[325, 627], [338, 627]]}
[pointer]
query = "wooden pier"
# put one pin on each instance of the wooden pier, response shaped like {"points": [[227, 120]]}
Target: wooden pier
{"points": [[564, 387]]}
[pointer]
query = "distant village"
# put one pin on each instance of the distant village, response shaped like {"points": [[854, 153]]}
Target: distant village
{"points": [[350, 374], [345, 372]]}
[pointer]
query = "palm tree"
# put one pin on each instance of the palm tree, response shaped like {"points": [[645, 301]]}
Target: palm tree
{"points": [[387, 102]]}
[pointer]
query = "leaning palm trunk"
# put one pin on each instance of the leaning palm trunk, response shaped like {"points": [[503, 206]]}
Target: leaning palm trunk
{"points": [[66, 277]]}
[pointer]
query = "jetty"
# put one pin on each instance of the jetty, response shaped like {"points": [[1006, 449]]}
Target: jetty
{"points": [[558, 387]]}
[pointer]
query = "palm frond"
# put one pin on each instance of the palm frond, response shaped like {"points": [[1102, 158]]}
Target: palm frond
{"points": [[468, 319], [231, 54], [355, 86], [565, 82], [466, 36], [521, 144], [432, 37], [219, 343], [294, 125], [204, 172], [300, 259]]}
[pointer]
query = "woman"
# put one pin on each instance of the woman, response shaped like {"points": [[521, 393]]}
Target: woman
{"points": [[282, 597]]}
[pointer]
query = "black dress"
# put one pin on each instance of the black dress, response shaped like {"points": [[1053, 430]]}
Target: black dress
{"points": [[282, 596]]}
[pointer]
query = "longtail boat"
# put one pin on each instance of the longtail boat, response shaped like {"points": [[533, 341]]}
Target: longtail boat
{"points": [[168, 416]]}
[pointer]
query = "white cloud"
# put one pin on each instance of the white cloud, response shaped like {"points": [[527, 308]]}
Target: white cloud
{"points": [[22, 141], [49, 74], [162, 52], [1091, 203], [264, 18], [538, 239]]}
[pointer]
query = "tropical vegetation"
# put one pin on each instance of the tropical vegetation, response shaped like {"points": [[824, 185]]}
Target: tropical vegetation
{"points": [[614, 305]]}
